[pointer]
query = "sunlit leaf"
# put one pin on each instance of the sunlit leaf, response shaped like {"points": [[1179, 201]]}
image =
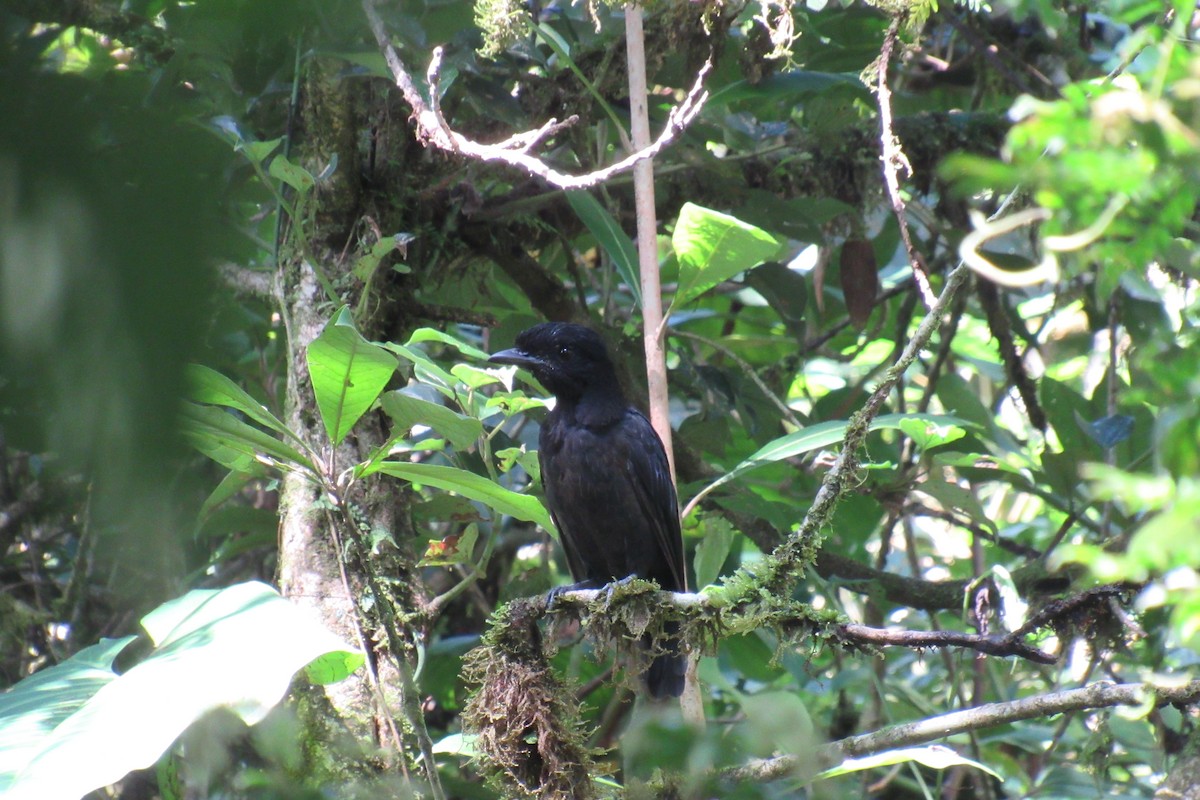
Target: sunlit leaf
{"points": [[235, 648], [927, 434], [348, 373], [713, 247], [434, 335], [934, 756]]}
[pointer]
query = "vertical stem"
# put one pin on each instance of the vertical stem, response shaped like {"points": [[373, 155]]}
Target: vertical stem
{"points": [[647, 232], [653, 334]]}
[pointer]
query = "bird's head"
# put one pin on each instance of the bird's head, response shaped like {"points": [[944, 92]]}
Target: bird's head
{"points": [[568, 359]]}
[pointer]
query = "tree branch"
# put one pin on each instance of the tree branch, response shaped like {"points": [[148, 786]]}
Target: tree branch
{"points": [[777, 573], [1096, 695], [1002, 646], [432, 127], [894, 160], [248, 282], [600, 600]]}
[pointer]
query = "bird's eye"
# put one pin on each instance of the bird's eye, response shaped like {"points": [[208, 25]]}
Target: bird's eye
{"points": [[564, 352]]}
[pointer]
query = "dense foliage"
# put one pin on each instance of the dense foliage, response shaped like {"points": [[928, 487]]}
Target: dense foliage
{"points": [[247, 301]]}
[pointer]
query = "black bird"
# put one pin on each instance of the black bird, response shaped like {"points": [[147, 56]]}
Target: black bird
{"points": [[608, 483]]}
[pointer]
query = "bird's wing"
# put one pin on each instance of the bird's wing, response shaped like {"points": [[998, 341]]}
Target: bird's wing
{"points": [[549, 447], [656, 493]]}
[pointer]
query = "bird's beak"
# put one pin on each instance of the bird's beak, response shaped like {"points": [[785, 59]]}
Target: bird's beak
{"points": [[515, 356]]}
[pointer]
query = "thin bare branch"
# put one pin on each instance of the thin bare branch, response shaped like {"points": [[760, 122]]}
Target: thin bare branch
{"points": [[432, 127], [1002, 646], [894, 161], [1096, 695]]}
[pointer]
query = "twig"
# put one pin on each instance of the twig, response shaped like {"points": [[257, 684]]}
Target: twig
{"points": [[777, 572], [748, 369], [432, 127], [1003, 646], [1097, 695], [894, 160]]}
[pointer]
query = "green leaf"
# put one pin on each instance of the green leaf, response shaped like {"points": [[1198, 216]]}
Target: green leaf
{"points": [[785, 290], [713, 549], [293, 175], [953, 497], [78, 726], [475, 377], [609, 235], [369, 261], [934, 756], [470, 485], [229, 487], [776, 722], [348, 373], [434, 335], [823, 434], [227, 440], [927, 434], [791, 86], [425, 369], [406, 411], [211, 387], [1013, 608], [713, 247]]}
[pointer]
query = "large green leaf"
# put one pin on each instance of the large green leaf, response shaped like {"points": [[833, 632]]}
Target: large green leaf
{"points": [[78, 726], [227, 440], [348, 373], [211, 387], [713, 247], [426, 369], [792, 85], [469, 485], [407, 410], [609, 235], [434, 335], [823, 434]]}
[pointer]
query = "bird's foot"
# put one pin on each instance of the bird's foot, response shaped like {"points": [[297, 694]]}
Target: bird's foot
{"points": [[553, 596], [612, 587]]}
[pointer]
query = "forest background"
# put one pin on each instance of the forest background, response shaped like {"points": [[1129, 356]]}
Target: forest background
{"points": [[269, 522]]}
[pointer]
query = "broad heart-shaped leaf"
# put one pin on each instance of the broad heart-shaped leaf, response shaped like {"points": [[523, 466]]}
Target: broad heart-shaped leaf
{"points": [[713, 247], [209, 386], [79, 726], [348, 373], [823, 434], [609, 235], [469, 485]]}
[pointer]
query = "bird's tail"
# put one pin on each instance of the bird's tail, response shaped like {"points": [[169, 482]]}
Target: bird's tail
{"points": [[665, 675]]}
